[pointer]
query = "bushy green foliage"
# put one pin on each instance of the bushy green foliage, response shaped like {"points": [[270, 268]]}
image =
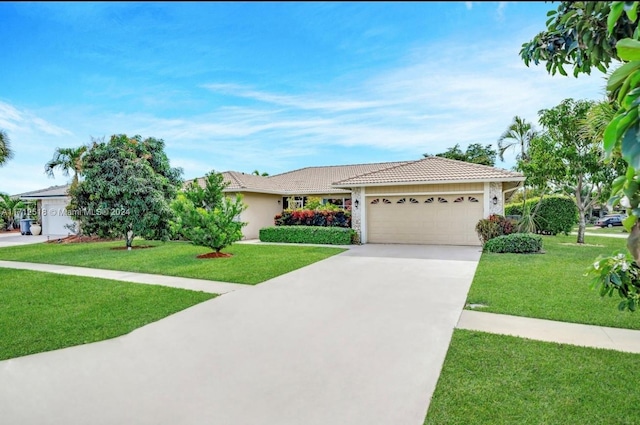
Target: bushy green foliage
{"points": [[207, 217], [127, 189], [307, 234], [518, 243], [492, 227], [619, 274], [306, 217], [556, 214]]}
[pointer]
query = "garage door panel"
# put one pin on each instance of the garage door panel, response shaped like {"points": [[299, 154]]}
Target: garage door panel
{"points": [[432, 220]]}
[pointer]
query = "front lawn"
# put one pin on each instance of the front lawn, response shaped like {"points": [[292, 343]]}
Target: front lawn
{"points": [[249, 264], [551, 285], [616, 230], [45, 311], [496, 379]]}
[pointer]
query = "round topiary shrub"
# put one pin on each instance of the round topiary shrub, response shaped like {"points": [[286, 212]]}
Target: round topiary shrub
{"points": [[518, 243]]}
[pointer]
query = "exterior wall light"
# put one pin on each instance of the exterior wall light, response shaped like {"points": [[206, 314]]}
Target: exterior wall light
{"points": [[356, 203], [495, 200]]}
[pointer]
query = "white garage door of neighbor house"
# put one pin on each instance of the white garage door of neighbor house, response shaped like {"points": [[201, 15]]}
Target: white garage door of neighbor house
{"points": [[55, 219], [438, 219]]}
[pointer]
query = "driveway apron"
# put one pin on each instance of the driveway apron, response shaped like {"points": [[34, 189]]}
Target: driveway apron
{"points": [[358, 338]]}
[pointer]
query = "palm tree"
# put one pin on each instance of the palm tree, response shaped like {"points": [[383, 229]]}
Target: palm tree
{"points": [[67, 159], [258, 173], [5, 148], [518, 135], [10, 208]]}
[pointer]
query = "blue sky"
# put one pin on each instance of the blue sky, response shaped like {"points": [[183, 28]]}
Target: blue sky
{"points": [[268, 86]]}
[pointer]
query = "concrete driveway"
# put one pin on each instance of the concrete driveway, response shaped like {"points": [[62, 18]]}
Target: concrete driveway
{"points": [[356, 339], [15, 239]]}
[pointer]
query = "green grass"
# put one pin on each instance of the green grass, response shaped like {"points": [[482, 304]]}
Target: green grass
{"points": [[617, 230], [250, 264], [495, 379], [45, 311], [551, 285]]}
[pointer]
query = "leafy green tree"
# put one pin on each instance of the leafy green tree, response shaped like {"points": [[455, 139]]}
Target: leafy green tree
{"points": [[67, 160], [475, 153], [206, 216], [5, 148], [9, 208], [258, 173], [583, 35], [570, 162], [127, 189], [595, 34]]}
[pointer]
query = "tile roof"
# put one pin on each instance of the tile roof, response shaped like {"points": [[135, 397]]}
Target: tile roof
{"points": [[338, 178], [432, 169]]}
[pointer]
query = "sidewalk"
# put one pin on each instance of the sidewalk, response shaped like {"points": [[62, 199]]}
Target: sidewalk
{"points": [[151, 279], [548, 330]]}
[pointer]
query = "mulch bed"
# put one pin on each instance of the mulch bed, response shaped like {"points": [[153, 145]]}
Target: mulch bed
{"points": [[215, 255], [79, 239]]}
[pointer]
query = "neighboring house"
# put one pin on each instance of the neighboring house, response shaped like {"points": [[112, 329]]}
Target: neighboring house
{"points": [[51, 206], [427, 201]]}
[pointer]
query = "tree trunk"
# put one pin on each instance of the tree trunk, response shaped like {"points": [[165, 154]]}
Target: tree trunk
{"points": [[129, 239], [581, 225], [633, 242]]}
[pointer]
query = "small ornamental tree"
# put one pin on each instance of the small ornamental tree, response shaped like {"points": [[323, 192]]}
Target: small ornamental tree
{"points": [[127, 189], [206, 216]]}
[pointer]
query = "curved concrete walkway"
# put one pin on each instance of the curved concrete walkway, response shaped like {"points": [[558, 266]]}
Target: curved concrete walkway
{"points": [[358, 338]]}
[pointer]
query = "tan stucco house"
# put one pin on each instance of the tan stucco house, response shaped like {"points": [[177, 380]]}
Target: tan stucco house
{"points": [[428, 201]]}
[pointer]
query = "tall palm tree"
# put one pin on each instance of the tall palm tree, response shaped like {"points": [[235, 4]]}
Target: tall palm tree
{"points": [[518, 135], [67, 160], [5, 148]]}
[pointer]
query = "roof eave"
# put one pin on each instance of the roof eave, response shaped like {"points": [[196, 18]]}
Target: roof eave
{"points": [[412, 183]]}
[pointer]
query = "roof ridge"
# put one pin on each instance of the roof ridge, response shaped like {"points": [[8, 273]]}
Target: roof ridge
{"points": [[402, 164], [233, 175], [473, 164], [336, 166]]}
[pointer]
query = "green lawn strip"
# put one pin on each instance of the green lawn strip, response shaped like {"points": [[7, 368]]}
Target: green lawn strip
{"points": [[617, 230], [496, 379], [551, 285], [250, 264], [45, 311]]}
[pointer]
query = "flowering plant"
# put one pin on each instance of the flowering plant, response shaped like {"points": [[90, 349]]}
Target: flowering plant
{"points": [[617, 273]]}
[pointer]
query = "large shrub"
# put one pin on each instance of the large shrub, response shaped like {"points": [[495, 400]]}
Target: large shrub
{"points": [[308, 217], [556, 214], [307, 234], [518, 243], [492, 227]]}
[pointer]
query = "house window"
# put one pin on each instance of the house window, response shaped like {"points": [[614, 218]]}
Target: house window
{"points": [[344, 203], [293, 202]]}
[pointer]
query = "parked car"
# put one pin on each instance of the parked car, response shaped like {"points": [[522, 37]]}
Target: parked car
{"points": [[611, 220]]}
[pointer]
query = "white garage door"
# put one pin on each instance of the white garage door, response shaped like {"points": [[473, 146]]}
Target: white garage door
{"points": [[54, 219], [441, 219]]}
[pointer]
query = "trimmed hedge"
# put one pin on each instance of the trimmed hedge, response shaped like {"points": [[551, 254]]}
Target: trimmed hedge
{"points": [[557, 214], [518, 243], [307, 234]]}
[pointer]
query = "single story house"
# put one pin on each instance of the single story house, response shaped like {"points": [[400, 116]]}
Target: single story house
{"points": [[51, 206], [427, 201]]}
